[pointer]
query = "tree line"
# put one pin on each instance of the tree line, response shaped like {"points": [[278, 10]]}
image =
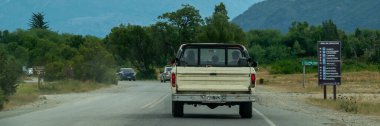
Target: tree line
{"points": [[360, 50], [145, 48]]}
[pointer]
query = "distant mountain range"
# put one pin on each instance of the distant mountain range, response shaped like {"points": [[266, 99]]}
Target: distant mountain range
{"points": [[97, 17], [279, 14]]}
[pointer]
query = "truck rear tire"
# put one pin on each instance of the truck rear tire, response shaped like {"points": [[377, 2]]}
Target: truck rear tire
{"points": [[177, 109], [245, 109]]}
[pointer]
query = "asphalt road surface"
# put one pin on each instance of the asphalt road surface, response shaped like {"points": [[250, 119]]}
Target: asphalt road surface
{"points": [[148, 103]]}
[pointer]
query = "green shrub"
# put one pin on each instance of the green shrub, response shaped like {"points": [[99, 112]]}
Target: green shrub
{"points": [[9, 72], [148, 74], [94, 62], [354, 66], [261, 81], [286, 67], [110, 76], [54, 71], [2, 100]]}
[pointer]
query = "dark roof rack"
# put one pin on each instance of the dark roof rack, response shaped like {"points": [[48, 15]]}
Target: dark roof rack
{"points": [[212, 45]]}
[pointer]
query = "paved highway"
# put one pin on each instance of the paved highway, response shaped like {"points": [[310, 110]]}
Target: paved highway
{"points": [[148, 103]]}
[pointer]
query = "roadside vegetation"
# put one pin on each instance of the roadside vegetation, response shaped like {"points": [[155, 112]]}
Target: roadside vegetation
{"points": [[88, 58], [29, 92]]}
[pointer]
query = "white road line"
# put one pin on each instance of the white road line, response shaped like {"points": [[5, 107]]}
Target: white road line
{"points": [[155, 102], [159, 101], [265, 118]]}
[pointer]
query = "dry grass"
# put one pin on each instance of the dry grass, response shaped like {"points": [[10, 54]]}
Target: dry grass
{"points": [[363, 88], [353, 82], [26, 93], [29, 92], [352, 105], [69, 86]]}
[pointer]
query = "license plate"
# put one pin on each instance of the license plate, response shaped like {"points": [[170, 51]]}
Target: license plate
{"points": [[213, 98]]}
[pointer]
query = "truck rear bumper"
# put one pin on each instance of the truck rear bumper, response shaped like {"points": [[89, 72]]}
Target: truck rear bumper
{"points": [[213, 98]]}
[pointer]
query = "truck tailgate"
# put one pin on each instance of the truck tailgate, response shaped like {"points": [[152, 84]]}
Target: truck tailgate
{"points": [[213, 78]]}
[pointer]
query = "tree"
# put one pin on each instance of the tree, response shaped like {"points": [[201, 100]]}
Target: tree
{"points": [[75, 40], [38, 21], [9, 73], [116, 43], [93, 62], [330, 31], [187, 20], [3, 36], [297, 50], [165, 42], [257, 53], [141, 52], [276, 53], [219, 29], [264, 38], [221, 9], [302, 33], [133, 43], [21, 54]]}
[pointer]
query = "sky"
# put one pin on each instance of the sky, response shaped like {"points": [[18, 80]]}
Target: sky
{"points": [[98, 17]]}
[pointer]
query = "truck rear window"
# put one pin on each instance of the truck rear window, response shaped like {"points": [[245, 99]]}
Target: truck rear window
{"points": [[219, 57]]}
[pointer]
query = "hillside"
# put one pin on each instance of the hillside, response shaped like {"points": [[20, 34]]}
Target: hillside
{"points": [[279, 14], [97, 17]]}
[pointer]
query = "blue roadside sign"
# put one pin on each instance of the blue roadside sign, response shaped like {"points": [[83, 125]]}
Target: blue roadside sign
{"points": [[329, 67]]}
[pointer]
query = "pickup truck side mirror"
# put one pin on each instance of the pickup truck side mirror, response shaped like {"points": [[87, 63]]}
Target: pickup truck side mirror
{"points": [[254, 64], [173, 61]]}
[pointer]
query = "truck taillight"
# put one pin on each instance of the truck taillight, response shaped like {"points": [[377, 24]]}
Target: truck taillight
{"points": [[173, 81], [253, 80]]}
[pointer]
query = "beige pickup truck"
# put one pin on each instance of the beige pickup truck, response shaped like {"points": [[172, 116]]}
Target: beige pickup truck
{"points": [[215, 75]]}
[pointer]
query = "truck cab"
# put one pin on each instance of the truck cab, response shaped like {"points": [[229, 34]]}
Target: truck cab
{"points": [[213, 74]]}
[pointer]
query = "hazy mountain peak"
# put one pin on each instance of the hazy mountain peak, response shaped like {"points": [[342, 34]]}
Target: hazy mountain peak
{"points": [[279, 14]]}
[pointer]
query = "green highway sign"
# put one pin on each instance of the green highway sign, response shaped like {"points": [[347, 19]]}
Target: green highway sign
{"points": [[309, 63], [304, 64]]}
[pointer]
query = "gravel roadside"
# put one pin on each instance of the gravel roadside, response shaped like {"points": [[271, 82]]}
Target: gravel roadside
{"points": [[295, 102], [49, 101]]}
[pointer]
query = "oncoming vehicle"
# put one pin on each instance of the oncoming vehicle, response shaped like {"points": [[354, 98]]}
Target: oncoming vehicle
{"points": [[165, 76], [214, 75], [127, 74]]}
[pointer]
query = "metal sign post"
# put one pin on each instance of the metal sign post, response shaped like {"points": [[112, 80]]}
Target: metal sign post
{"points": [[40, 71], [307, 63], [304, 76], [329, 65]]}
